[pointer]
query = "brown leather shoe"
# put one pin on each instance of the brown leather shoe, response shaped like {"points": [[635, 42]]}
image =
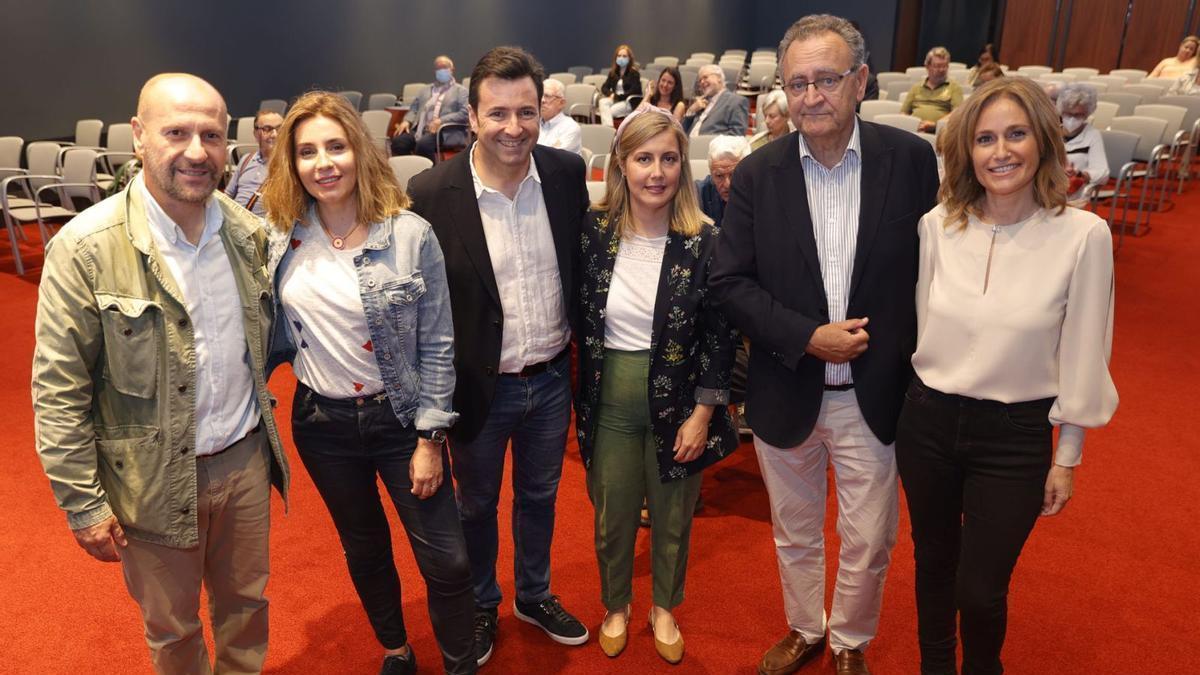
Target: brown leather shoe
{"points": [[850, 662], [789, 654]]}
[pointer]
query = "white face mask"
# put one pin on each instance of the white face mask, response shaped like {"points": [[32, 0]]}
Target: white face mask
{"points": [[1072, 124]]}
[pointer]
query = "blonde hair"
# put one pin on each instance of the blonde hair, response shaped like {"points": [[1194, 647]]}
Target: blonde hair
{"points": [[378, 193], [686, 217], [937, 53], [961, 193]]}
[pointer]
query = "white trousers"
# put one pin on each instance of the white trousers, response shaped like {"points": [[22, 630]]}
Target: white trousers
{"points": [[608, 110], [866, 483]]}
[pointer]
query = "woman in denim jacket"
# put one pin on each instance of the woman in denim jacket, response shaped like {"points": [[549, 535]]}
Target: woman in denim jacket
{"points": [[364, 318]]}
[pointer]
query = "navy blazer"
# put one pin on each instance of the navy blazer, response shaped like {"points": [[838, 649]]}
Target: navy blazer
{"points": [[767, 279]]}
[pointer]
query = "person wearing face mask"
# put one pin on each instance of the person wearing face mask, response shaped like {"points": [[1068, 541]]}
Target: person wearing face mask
{"points": [[624, 81], [441, 103], [936, 96], [1087, 165]]}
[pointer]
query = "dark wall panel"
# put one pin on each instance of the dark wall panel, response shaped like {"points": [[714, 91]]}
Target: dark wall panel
{"points": [[1156, 28], [1026, 35], [1094, 30], [876, 18]]}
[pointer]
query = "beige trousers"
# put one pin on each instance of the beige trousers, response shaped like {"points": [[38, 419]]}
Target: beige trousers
{"points": [[234, 490], [865, 476]]}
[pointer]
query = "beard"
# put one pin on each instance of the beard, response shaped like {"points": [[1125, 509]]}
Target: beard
{"points": [[164, 174]]}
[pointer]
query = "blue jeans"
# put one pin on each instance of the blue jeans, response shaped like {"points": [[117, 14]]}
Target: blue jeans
{"points": [[532, 412]]}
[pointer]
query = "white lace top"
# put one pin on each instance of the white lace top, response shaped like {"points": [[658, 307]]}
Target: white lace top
{"points": [[629, 315]]}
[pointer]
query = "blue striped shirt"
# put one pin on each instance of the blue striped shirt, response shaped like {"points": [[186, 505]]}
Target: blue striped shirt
{"points": [[833, 203]]}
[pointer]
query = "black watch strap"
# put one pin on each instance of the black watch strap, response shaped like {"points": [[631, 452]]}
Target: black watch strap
{"points": [[435, 435]]}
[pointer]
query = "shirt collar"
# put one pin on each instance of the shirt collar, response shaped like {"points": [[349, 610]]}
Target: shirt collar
{"points": [[168, 229], [480, 188], [946, 83], [554, 121], [851, 147]]}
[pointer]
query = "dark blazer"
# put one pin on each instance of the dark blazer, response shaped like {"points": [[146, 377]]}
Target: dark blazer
{"points": [[445, 196], [729, 116], [691, 346], [766, 278], [632, 80]]}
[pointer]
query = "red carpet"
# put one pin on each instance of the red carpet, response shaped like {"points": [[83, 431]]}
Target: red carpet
{"points": [[1109, 586]]}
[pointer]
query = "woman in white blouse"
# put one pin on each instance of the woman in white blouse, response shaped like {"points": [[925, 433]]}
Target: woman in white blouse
{"points": [[1014, 330]]}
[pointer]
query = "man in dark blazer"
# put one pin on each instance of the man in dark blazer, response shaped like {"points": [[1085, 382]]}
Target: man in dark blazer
{"points": [[817, 265], [508, 214]]}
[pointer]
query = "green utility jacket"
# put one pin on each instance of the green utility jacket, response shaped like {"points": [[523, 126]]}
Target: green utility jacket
{"points": [[114, 369]]}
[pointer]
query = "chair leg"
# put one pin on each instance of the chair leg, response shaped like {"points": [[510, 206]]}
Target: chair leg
{"points": [[12, 240]]}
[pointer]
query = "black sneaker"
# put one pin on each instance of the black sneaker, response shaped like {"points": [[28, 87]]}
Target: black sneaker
{"points": [[485, 634], [550, 616], [400, 664]]}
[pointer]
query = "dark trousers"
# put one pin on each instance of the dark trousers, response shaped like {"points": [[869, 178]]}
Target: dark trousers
{"points": [[974, 474], [407, 144], [346, 445]]}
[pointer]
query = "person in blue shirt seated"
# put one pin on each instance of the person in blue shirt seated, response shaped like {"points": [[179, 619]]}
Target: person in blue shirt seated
{"points": [[724, 153]]}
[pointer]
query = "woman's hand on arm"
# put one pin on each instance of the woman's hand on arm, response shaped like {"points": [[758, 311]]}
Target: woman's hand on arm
{"points": [[693, 434]]}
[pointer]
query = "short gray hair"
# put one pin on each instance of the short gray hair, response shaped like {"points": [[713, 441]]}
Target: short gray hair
{"points": [[937, 53], [553, 87], [776, 98], [816, 24], [712, 68], [728, 147], [1074, 94]]}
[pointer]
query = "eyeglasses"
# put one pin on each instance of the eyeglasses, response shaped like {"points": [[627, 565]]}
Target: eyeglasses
{"points": [[267, 129], [830, 82]]}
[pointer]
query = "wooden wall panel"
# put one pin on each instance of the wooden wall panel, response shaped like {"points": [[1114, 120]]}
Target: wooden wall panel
{"points": [[1093, 33], [1025, 37], [1155, 30]]}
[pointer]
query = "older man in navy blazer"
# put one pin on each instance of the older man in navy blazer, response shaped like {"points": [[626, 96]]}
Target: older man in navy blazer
{"points": [[717, 111], [817, 265]]}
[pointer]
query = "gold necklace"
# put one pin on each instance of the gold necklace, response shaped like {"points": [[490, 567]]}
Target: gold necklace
{"points": [[339, 242]]}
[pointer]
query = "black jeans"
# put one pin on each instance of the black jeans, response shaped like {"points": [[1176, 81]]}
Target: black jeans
{"points": [[974, 473], [345, 445]]}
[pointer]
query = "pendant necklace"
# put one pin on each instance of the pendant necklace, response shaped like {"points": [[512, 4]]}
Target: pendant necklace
{"points": [[339, 242]]}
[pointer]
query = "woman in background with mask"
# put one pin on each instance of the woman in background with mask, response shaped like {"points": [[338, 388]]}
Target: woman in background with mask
{"points": [[624, 80], [1087, 165]]}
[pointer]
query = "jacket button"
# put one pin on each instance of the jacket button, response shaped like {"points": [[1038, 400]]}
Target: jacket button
{"points": [[496, 323], [184, 510], [120, 464], [127, 332], [182, 323], [489, 370], [182, 388], [387, 357], [183, 450], [371, 283]]}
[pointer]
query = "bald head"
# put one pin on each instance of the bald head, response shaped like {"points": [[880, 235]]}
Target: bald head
{"points": [[174, 89]]}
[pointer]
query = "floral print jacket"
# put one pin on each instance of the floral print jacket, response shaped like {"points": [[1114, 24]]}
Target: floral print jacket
{"points": [[691, 346]]}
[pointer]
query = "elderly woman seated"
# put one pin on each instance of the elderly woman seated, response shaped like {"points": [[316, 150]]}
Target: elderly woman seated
{"points": [[1087, 165], [775, 119]]}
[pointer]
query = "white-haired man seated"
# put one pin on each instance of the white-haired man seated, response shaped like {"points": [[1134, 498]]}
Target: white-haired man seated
{"points": [[558, 130], [724, 153], [716, 111]]}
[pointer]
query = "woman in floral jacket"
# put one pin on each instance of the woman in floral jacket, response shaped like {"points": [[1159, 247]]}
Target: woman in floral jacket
{"points": [[654, 368]]}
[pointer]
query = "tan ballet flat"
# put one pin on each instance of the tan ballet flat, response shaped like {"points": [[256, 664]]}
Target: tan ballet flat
{"points": [[612, 646], [671, 653]]}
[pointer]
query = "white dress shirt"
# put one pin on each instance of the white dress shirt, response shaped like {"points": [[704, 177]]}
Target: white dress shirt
{"points": [[833, 203], [563, 133], [525, 264], [226, 408]]}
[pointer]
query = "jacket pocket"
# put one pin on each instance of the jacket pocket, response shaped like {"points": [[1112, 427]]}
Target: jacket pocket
{"points": [[133, 470], [402, 297], [131, 343]]}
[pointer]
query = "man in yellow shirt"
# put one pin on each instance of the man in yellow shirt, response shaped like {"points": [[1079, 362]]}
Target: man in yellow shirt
{"points": [[934, 98]]}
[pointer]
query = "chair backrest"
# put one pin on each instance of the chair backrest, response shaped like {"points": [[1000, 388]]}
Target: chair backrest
{"points": [[1100, 87], [1173, 115], [565, 78], [885, 79], [689, 82], [693, 61], [667, 60], [10, 151], [957, 65], [1035, 71], [1119, 147], [376, 122], [87, 132], [1149, 130], [42, 158], [79, 166], [1114, 82], [731, 76], [898, 90], [699, 168], [411, 90], [1130, 74], [245, 131], [709, 56], [597, 137], [1105, 112], [579, 98], [596, 190], [407, 166], [1082, 73], [906, 122], [1126, 101], [275, 105], [1056, 77], [1163, 83], [918, 72], [1189, 103], [595, 80], [731, 52], [650, 72], [120, 137], [1148, 92], [381, 101], [354, 97], [580, 72], [698, 145], [761, 75], [869, 109]]}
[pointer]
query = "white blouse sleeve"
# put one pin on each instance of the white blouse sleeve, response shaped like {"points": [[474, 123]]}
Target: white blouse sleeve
{"points": [[1087, 396], [926, 232]]}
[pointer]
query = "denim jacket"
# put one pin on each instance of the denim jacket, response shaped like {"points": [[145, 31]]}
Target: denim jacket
{"points": [[402, 282]]}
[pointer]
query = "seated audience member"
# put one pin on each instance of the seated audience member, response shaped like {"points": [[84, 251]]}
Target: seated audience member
{"points": [[624, 80], [1087, 165], [717, 110], [937, 96], [986, 58], [1182, 63], [987, 73], [668, 93], [1187, 84], [724, 153], [443, 102], [123, 176], [251, 172], [558, 130], [775, 116]]}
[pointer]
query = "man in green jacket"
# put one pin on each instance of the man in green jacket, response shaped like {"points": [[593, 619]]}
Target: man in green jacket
{"points": [[153, 417]]}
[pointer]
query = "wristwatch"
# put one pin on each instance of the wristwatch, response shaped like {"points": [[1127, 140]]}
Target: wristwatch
{"points": [[436, 435]]}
